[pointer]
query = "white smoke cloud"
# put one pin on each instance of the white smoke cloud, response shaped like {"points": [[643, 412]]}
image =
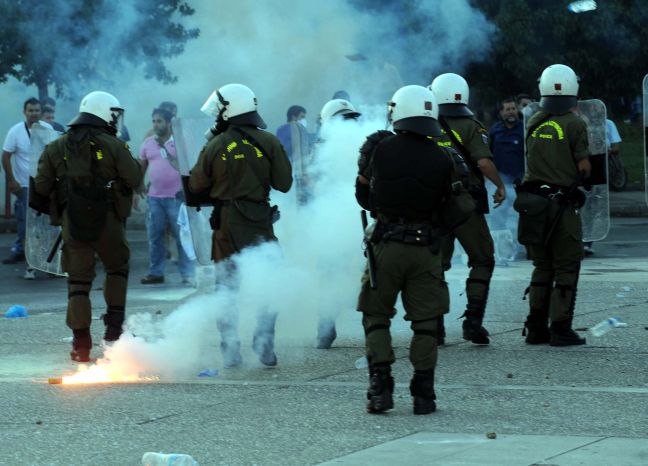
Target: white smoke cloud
{"points": [[313, 271], [288, 52]]}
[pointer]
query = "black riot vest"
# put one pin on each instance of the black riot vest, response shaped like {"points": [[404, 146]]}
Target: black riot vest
{"points": [[410, 178]]}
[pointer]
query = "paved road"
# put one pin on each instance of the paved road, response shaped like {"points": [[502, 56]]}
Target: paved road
{"points": [[560, 406]]}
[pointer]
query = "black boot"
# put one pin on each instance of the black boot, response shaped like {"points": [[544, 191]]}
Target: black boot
{"points": [[536, 330], [113, 322], [263, 341], [441, 333], [563, 335], [326, 333], [422, 389], [473, 329], [381, 389], [81, 345]]}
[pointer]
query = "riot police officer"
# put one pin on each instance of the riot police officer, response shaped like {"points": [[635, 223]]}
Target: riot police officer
{"points": [[90, 175], [407, 181], [548, 202], [238, 166], [340, 110], [468, 136]]}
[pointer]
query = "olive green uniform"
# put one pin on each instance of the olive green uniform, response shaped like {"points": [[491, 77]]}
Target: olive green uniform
{"points": [[473, 235], [416, 273], [115, 164], [407, 245], [553, 150], [411, 185], [239, 174]]}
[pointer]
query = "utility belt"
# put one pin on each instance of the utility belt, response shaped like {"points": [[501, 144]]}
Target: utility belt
{"points": [[420, 234], [259, 211], [553, 192]]}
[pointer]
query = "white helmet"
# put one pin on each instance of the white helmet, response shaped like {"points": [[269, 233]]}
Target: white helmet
{"points": [[235, 103], [558, 89], [414, 108], [452, 93], [338, 107], [101, 105]]}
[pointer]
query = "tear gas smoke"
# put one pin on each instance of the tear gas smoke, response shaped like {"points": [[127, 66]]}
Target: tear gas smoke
{"points": [[314, 271], [288, 53]]}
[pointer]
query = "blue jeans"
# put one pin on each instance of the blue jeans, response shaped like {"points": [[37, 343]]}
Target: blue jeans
{"points": [[163, 211], [20, 210]]}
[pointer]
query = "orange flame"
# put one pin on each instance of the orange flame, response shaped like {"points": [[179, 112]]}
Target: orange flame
{"points": [[119, 365], [103, 372]]}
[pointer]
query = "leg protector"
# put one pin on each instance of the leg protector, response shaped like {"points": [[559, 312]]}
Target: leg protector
{"points": [[381, 389], [441, 332], [422, 391]]}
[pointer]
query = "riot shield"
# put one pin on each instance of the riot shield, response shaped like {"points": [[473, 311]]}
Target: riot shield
{"points": [[42, 240], [645, 127], [189, 135], [595, 214]]}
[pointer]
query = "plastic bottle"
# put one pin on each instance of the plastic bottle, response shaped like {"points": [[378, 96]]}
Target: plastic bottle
{"points": [[606, 325], [16, 311], [167, 459], [362, 363]]}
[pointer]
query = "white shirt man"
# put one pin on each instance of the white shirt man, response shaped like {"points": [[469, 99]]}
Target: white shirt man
{"points": [[16, 156]]}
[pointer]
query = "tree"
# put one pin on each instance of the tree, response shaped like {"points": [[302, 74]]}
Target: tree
{"points": [[72, 43], [603, 46]]}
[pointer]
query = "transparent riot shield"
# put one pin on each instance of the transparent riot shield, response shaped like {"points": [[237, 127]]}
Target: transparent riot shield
{"points": [[645, 127], [595, 214], [42, 241], [189, 135]]}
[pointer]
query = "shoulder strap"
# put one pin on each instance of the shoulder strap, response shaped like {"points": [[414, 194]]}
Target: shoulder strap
{"points": [[255, 168], [462, 149]]}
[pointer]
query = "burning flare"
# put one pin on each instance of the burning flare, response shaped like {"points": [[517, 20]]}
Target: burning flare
{"points": [[104, 372]]}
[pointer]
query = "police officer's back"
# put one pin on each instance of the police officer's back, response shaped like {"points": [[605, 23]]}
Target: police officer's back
{"points": [[548, 202], [90, 175], [465, 134], [238, 166], [407, 182]]}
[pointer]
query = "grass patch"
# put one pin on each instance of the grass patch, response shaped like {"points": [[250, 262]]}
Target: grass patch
{"points": [[632, 153]]}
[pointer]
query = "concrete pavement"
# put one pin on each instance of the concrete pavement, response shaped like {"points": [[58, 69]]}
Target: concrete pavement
{"points": [[552, 406]]}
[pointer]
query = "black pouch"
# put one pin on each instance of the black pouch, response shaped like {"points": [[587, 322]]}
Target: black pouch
{"points": [[457, 209], [87, 208], [480, 196], [38, 202], [534, 218], [196, 199], [122, 197], [275, 214], [215, 217]]}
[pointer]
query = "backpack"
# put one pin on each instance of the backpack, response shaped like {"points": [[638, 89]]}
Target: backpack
{"points": [[85, 192]]}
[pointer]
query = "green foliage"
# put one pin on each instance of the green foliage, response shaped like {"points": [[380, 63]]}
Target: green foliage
{"points": [[603, 46], [71, 43], [632, 153]]}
